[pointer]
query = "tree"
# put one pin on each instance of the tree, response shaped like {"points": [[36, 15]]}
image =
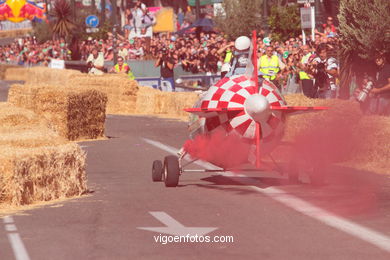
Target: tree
{"points": [[284, 22], [364, 32], [240, 17], [62, 13]]}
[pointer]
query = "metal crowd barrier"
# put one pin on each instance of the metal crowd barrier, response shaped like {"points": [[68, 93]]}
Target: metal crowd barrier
{"points": [[9, 26]]}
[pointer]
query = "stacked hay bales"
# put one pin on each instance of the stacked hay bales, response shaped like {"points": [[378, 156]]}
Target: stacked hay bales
{"points": [[124, 96], [74, 113], [20, 127], [372, 147], [170, 104], [121, 92], [35, 163], [146, 100], [38, 75], [366, 137], [18, 73], [338, 109], [3, 69], [60, 77]]}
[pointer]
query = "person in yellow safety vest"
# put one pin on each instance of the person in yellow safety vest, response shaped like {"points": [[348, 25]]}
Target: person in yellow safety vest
{"points": [[269, 65], [306, 79], [122, 67]]}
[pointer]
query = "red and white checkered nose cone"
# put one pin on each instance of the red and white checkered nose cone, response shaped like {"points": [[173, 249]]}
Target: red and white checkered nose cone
{"points": [[257, 107]]}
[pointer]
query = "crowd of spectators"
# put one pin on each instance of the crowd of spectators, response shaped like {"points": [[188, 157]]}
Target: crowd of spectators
{"points": [[203, 54], [27, 51]]}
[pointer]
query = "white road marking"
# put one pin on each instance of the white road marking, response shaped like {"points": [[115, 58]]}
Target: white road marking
{"points": [[166, 219], [15, 240], [174, 227], [366, 234], [10, 228], [8, 219]]}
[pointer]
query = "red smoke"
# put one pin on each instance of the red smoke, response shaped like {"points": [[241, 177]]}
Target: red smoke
{"points": [[323, 140], [225, 151], [327, 139]]}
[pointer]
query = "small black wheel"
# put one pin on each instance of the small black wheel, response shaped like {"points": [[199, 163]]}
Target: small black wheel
{"points": [[157, 171], [171, 171]]}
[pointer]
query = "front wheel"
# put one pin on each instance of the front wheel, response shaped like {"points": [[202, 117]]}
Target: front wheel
{"points": [[171, 171]]}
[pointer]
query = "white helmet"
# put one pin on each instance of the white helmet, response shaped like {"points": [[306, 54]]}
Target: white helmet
{"points": [[242, 43], [225, 67]]}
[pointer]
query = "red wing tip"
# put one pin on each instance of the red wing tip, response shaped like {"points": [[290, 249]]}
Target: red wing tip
{"points": [[298, 108]]}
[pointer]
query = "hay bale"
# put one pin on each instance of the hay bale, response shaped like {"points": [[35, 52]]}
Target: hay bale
{"points": [[12, 117], [74, 113], [19, 73], [174, 103], [45, 75], [28, 175], [20, 127], [146, 100], [372, 147], [338, 109], [3, 68], [41, 75], [121, 92], [366, 136], [170, 104], [36, 164]]}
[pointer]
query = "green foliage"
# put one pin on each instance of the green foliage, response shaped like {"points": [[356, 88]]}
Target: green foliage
{"points": [[62, 12], [102, 33], [241, 17], [364, 27], [364, 32], [284, 22], [68, 26]]}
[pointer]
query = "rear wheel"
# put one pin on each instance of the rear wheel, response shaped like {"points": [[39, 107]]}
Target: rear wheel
{"points": [[171, 171], [157, 171]]}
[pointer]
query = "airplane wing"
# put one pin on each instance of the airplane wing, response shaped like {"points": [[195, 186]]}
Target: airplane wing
{"points": [[211, 112], [293, 110]]}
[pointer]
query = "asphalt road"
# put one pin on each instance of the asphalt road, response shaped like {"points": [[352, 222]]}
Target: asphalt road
{"points": [[347, 219]]}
